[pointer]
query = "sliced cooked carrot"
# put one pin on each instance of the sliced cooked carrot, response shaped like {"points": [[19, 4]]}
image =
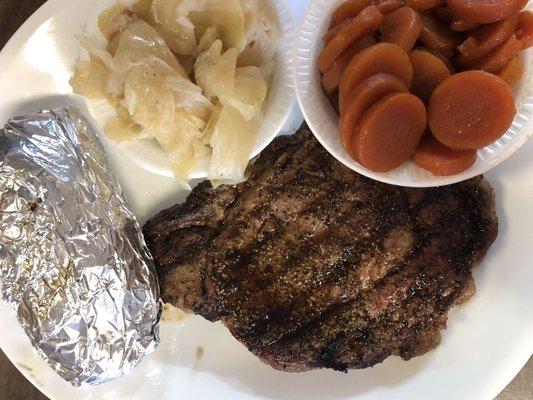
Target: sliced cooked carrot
{"points": [[388, 132], [462, 25], [366, 93], [525, 28], [334, 100], [438, 36], [332, 77], [401, 27], [443, 14], [501, 56], [513, 70], [349, 9], [333, 31], [484, 40], [484, 11], [428, 72], [424, 5], [440, 160], [442, 57], [364, 24], [383, 57], [470, 110], [388, 6], [469, 45]]}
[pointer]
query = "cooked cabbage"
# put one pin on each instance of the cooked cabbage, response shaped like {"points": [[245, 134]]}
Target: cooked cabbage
{"points": [[122, 129], [179, 144], [148, 100], [142, 9], [189, 97], [207, 39], [211, 124], [262, 33], [232, 142], [170, 19], [249, 92], [139, 40], [192, 75], [96, 54], [215, 71], [227, 16], [114, 20], [91, 80]]}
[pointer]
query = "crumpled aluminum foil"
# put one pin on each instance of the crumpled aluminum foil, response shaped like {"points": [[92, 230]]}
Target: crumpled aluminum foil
{"points": [[73, 261]]}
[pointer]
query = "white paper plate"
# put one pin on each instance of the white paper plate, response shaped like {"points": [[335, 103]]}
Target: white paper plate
{"points": [[323, 120], [148, 155], [488, 340]]}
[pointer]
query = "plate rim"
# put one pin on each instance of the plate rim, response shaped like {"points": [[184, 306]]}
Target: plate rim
{"points": [[10, 47]]}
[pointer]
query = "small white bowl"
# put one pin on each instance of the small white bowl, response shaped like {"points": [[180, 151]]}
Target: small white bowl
{"points": [[148, 155], [323, 120]]}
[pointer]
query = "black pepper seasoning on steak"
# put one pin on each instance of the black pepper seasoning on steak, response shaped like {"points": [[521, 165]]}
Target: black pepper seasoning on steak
{"points": [[311, 265]]}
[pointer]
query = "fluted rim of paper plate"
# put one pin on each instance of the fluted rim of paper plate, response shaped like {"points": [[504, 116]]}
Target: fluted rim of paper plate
{"points": [[278, 109], [309, 98], [286, 99]]}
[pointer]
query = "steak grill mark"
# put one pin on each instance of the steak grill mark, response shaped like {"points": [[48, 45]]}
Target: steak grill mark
{"points": [[311, 265]]}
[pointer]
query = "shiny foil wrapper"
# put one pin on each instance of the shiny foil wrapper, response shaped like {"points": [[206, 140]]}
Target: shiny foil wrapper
{"points": [[73, 261]]}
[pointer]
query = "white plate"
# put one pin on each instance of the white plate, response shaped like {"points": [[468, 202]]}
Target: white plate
{"points": [[488, 340], [323, 120]]}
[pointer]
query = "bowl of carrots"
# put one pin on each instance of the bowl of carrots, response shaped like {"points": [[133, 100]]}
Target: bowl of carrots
{"points": [[417, 92]]}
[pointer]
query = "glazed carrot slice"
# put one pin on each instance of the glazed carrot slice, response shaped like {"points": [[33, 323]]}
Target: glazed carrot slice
{"points": [[388, 6], [484, 40], [440, 160], [366, 94], [424, 5], [443, 15], [364, 24], [469, 45], [388, 132], [495, 61], [438, 36], [484, 11], [401, 27], [513, 71], [462, 25], [333, 31], [470, 110], [332, 77], [488, 37], [428, 72], [381, 58], [349, 9], [441, 56], [525, 28]]}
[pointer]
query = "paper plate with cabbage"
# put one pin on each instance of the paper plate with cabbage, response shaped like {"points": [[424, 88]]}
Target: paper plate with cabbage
{"points": [[190, 81]]}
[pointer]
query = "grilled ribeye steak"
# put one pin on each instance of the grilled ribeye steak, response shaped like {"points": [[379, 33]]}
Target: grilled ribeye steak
{"points": [[311, 265]]}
